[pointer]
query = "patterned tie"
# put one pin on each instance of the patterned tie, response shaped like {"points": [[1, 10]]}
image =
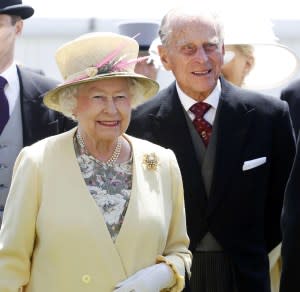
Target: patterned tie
{"points": [[203, 127], [4, 107]]}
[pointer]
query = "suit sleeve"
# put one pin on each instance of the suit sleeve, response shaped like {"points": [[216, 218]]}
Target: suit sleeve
{"points": [[17, 235], [283, 151], [291, 95], [290, 223], [176, 253]]}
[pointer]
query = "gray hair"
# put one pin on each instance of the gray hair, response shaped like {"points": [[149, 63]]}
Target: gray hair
{"points": [[173, 16], [67, 97], [67, 100]]}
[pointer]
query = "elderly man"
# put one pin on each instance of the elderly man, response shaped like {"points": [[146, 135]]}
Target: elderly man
{"points": [[235, 150], [23, 118]]}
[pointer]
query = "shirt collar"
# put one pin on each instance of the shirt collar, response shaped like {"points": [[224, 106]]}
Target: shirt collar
{"points": [[10, 74], [212, 99]]}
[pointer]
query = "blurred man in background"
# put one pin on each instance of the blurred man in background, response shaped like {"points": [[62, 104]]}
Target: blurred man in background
{"points": [[23, 117], [145, 33]]}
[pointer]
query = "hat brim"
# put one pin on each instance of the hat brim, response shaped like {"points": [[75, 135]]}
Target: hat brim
{"points": [[24, 11], [150, 87], [274, 66]]}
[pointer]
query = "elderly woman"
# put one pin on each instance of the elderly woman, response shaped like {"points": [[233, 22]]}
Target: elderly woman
{"points": [[94, 209]]}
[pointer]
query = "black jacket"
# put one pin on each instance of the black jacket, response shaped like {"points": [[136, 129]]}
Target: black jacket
{"points": [[291, 94], [291, 230], [38, 121]]}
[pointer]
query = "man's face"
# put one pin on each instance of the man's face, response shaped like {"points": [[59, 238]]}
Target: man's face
{"points": [[8, 34], [194, 54]]}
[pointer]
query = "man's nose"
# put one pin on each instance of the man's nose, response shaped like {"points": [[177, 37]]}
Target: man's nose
{"points": [[201, 54]]}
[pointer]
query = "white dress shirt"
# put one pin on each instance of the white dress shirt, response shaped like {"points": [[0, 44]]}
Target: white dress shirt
{"points": [[212, 99]]}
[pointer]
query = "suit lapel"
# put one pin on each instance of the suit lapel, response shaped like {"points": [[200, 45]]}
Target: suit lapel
{"points": [[33, 110], [27, 107], [234, 121], [170, 119]]}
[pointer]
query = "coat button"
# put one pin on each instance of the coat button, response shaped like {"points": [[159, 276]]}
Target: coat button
{"points": [[86, 279]]}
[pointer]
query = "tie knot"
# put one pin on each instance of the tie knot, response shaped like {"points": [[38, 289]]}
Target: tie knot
{"points": [[3, 82], [200, 108]]}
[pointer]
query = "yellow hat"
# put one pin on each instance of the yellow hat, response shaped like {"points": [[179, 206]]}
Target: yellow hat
{"points": [[95, 56]]}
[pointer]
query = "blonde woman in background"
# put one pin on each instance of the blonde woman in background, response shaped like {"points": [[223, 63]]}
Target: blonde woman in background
{"points": [[239, 61]]}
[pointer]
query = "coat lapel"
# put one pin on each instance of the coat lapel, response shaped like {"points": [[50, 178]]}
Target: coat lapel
{"points": [[84, 204], [134, 217], [143, 211], [234, 121]]}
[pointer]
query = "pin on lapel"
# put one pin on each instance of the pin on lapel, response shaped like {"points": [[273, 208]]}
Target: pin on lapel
{"points": [[151, 161]]}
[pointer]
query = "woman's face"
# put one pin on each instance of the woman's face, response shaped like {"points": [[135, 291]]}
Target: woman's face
{"points": [[103, 108]]}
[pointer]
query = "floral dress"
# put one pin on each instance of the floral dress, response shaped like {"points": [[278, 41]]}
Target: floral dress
{"points": [[110, 186]]}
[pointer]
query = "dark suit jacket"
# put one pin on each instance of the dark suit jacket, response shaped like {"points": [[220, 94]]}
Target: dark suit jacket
{"points": [[291, 231], [244, 207], [38, 121], [291, 94]]}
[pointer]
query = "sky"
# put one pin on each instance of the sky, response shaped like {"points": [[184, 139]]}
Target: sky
{"points": [[155, 9]]}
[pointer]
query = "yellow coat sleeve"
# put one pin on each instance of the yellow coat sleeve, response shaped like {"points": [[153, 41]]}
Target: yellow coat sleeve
{"points": [[176, 254], [18, 233]]}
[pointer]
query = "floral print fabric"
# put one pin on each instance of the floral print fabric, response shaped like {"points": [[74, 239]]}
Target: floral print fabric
{"points": [[110, 186]]}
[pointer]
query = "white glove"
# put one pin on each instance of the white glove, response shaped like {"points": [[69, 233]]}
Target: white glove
{"points": [[150, 279]]}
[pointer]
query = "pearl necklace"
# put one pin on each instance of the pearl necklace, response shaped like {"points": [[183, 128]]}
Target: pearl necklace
{"points": [[114, 157]]}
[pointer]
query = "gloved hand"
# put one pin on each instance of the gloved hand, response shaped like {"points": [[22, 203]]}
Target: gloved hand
{"points": [[150, 279]]}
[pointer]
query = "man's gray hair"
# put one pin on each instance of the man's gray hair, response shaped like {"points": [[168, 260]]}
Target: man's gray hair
{"points": [[173, 16]]}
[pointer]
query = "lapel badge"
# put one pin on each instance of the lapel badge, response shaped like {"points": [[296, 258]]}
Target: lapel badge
{"points": [[151, 161]]}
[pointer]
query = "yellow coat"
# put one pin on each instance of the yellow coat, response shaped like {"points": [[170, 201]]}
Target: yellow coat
{"points": [[54, 238]]}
